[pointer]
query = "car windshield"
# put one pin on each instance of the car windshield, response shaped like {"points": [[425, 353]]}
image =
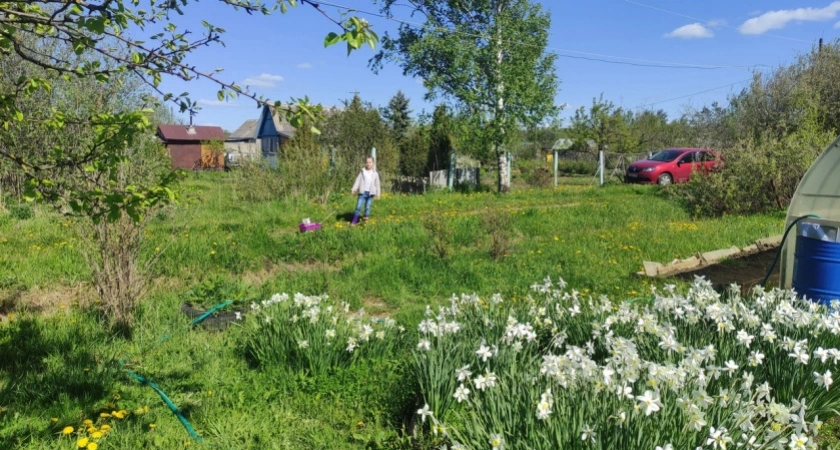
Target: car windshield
{"points": [[666, 155]]}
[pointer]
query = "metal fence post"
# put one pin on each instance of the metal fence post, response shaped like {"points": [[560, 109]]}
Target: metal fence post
{"points": [[556, 153]]}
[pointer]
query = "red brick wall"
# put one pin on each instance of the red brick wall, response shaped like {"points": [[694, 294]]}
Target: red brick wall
{"points": [[185, 156]]}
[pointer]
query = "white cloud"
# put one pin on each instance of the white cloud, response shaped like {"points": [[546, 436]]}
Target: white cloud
{"points": [[220, 103], [265, 80], [691, 31], [305, 65], [773, 20]]}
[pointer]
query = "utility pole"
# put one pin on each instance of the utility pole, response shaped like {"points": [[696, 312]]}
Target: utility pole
{"points": [[820, 47]]}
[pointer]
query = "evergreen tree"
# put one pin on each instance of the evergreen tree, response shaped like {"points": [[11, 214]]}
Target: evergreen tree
{"points": [[397, 116]]}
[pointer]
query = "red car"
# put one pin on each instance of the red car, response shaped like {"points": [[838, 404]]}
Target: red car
{"points": [[673, 165]]}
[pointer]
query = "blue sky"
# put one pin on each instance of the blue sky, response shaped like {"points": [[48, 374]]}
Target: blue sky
{"points": [[282, 56]]}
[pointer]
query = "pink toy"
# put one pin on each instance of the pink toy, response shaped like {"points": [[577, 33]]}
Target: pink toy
{"points": [[304, 227]]}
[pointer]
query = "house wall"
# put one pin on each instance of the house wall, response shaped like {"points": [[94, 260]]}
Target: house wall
{"points": [[244, 149], [185, 156]]}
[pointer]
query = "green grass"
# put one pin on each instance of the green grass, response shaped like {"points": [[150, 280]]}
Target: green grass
{"points": [[214, 247]]}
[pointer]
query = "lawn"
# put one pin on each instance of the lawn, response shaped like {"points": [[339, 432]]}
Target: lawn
{"points": [[60, 368]]}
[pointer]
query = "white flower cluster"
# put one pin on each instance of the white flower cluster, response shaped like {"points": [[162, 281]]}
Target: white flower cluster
{"points": [[729, 371]]}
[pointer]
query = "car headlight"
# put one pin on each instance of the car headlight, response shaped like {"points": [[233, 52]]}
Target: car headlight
{"points": [[649, 169]]}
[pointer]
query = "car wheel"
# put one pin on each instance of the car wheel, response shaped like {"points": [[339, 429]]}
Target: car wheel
{"points": [[665, 179]]}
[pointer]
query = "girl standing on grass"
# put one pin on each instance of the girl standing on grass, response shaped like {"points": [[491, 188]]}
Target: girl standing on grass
{"points": [[367, 185]]}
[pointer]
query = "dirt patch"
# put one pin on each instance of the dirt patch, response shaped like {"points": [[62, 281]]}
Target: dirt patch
{"points": [[747, 272], [270, 271], [376, 307], [45, 301]]}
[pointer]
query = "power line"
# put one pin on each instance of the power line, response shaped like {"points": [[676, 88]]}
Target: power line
{"points": [[655, 8], [701, 92], [589, 56]]}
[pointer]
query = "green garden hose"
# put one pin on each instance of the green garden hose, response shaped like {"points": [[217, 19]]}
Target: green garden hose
{"points": [[782, 246], [157, 388]]}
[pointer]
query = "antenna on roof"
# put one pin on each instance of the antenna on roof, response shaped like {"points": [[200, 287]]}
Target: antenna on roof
{"points": [[192, 113]]}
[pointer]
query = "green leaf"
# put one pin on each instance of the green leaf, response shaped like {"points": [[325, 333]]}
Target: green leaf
{"points": [[331, 39], [220, 95]]}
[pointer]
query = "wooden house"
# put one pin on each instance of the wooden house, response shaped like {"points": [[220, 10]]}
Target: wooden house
{"points": [[189, 146]]}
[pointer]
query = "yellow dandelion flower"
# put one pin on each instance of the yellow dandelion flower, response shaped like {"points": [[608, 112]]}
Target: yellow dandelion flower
{"points": [[96, 435], [92, 446], [212, 252], [82, 443], [119, 414], [67, 430], [152, 426], [91, 430], [104, 415], [87, 422], [105, 427]]}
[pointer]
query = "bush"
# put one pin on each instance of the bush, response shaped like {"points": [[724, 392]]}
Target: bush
{"points": [[22, 211], [557, 370], [760, 174], [536, 173], [576, 168], [496, 225]]}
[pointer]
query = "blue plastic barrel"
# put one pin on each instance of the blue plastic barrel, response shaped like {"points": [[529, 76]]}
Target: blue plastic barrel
{"points": [[816, 269]]}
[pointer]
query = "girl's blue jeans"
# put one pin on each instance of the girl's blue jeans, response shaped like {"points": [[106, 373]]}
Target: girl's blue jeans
{"points": [[365, 199]]}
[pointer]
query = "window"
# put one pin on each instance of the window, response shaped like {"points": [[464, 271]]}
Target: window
{"points": [[707, 156], [688, 158]]}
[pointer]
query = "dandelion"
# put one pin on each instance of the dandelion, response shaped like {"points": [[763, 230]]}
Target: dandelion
{"points": [[425, 412], [96, 434], [823, 380], [651, 402], [82, 443], [92, 446], [461, 393], [67, 430]]}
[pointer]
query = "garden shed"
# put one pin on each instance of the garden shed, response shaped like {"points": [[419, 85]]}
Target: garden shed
{"points": [[818, 193], [189, 146]]}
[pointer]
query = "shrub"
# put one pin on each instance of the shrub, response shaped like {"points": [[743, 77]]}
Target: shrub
{"points": [[760, 174], [576, 167], [558, 370], [22, 211], [496, 225], [440, 232]]}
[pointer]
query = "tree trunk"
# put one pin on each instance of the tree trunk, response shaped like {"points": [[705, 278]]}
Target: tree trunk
{"points": [[504, 181]]}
